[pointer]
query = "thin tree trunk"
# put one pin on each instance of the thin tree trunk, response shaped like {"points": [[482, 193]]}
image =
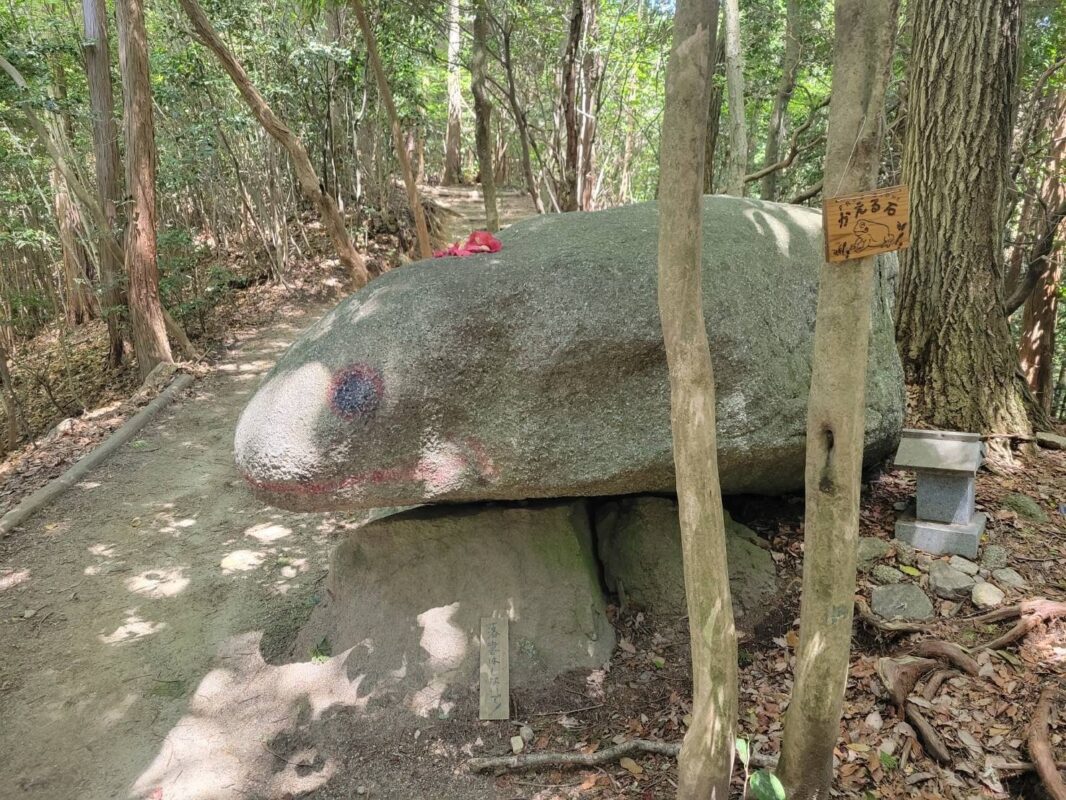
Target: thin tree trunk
{"points": [[10, 404], [568, 196], [591, 73], [421, 231], [950, 322], [483, 115], [308, 179], [521, 124], [108, 166], [714, 116], [737, 162], [706, 758], [78, 295], [453, 133], [146, 310], [862, 58], [790, 62]]}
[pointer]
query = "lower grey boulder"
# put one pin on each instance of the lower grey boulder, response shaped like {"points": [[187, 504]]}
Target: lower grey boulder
{"points": [[539, 371], [407, 593], [639, 541]]}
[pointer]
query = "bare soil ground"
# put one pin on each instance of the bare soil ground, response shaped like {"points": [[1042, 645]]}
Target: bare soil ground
{"points": [[146, 617]]}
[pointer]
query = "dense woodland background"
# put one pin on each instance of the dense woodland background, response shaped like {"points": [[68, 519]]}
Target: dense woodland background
{"points": [[571, 105]]}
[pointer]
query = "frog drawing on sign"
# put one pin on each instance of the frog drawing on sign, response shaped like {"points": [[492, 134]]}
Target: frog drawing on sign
{"points": [[871, 234]]}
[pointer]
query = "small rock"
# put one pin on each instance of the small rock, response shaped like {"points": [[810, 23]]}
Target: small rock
{"points": [[1025, 506], [986, 595], [994, 557], [900, 601], [874, 721], [963, 565], [360, 790], [517, 744], [29, 612], [949, 608], [899, 506], [884, 574], [905, 553], [947, 582], [1009, 577], [871, 550], [922, 561], [527, 734], [1050, 441]]}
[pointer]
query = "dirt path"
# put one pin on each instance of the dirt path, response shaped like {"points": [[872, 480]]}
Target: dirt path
{"points": [[146, 614]]}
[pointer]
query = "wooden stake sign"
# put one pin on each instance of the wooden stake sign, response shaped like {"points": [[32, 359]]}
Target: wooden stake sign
{"points": [[861, 225], [495, 670]]}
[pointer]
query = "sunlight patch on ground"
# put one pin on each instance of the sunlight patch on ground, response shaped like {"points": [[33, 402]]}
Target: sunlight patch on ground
{"points": [[132, 629], [103, 550], [11, 578], [268, 532], [241, 561], [158, 583], [230, 742]]}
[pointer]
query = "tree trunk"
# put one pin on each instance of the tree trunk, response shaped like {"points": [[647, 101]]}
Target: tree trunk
{"points": [[521, 125], [10, 404], [146, 311], [737, 162], [790, 62], [951, 327], [706, 759], [425, 248], [308, 179], [591, 73], [568, 196], [453, 134], [78, 295], [862, 58], [714, 116], [483, 115], [108, 166]]}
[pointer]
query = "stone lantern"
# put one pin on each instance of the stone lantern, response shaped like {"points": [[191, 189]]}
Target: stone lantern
{"points": [[943, 520]]}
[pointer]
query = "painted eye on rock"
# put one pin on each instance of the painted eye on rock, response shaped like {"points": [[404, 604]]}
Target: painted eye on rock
{"points": [[355, 391]]}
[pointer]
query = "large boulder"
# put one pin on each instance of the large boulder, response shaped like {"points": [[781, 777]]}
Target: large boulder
{"points": [[639, 543], [406, 594], [539, 371]]}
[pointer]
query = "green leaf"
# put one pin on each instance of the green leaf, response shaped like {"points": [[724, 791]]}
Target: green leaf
{"points": [[321, 651], [912, 571], [888, 762], [764, 785], [743, 753]]}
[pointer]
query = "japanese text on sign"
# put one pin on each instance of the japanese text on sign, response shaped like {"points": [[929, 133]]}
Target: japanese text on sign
{"points": [[495, 667], [861, 225]]}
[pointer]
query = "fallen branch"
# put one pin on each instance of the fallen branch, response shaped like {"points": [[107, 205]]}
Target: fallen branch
{"points": [[899, 675], [867, 615], [794, 148], [946, 651], [931, 740], [1031, 613], [518, 763], [1040, 747]]}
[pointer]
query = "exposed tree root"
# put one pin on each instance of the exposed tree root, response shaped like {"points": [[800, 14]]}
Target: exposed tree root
{"points": [[1040, 747], [867, 615], [899, 675], [1029, 614], [933, 685], [931, 740], [518, 763], [946, 651]]}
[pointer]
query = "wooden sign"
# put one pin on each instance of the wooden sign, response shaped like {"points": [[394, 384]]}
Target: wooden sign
{"points": [[861, 225], [495, 670]]}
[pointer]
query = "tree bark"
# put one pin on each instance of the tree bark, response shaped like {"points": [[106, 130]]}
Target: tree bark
{"points": [[453, 134], [862, 57], [706, 759], [568, 196], [737, 160], [425, 248], [483, 116], [308, 179], [714, 116], [591, 73], [97, 56], [146, 311], [775, 133], [950, 324]]}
